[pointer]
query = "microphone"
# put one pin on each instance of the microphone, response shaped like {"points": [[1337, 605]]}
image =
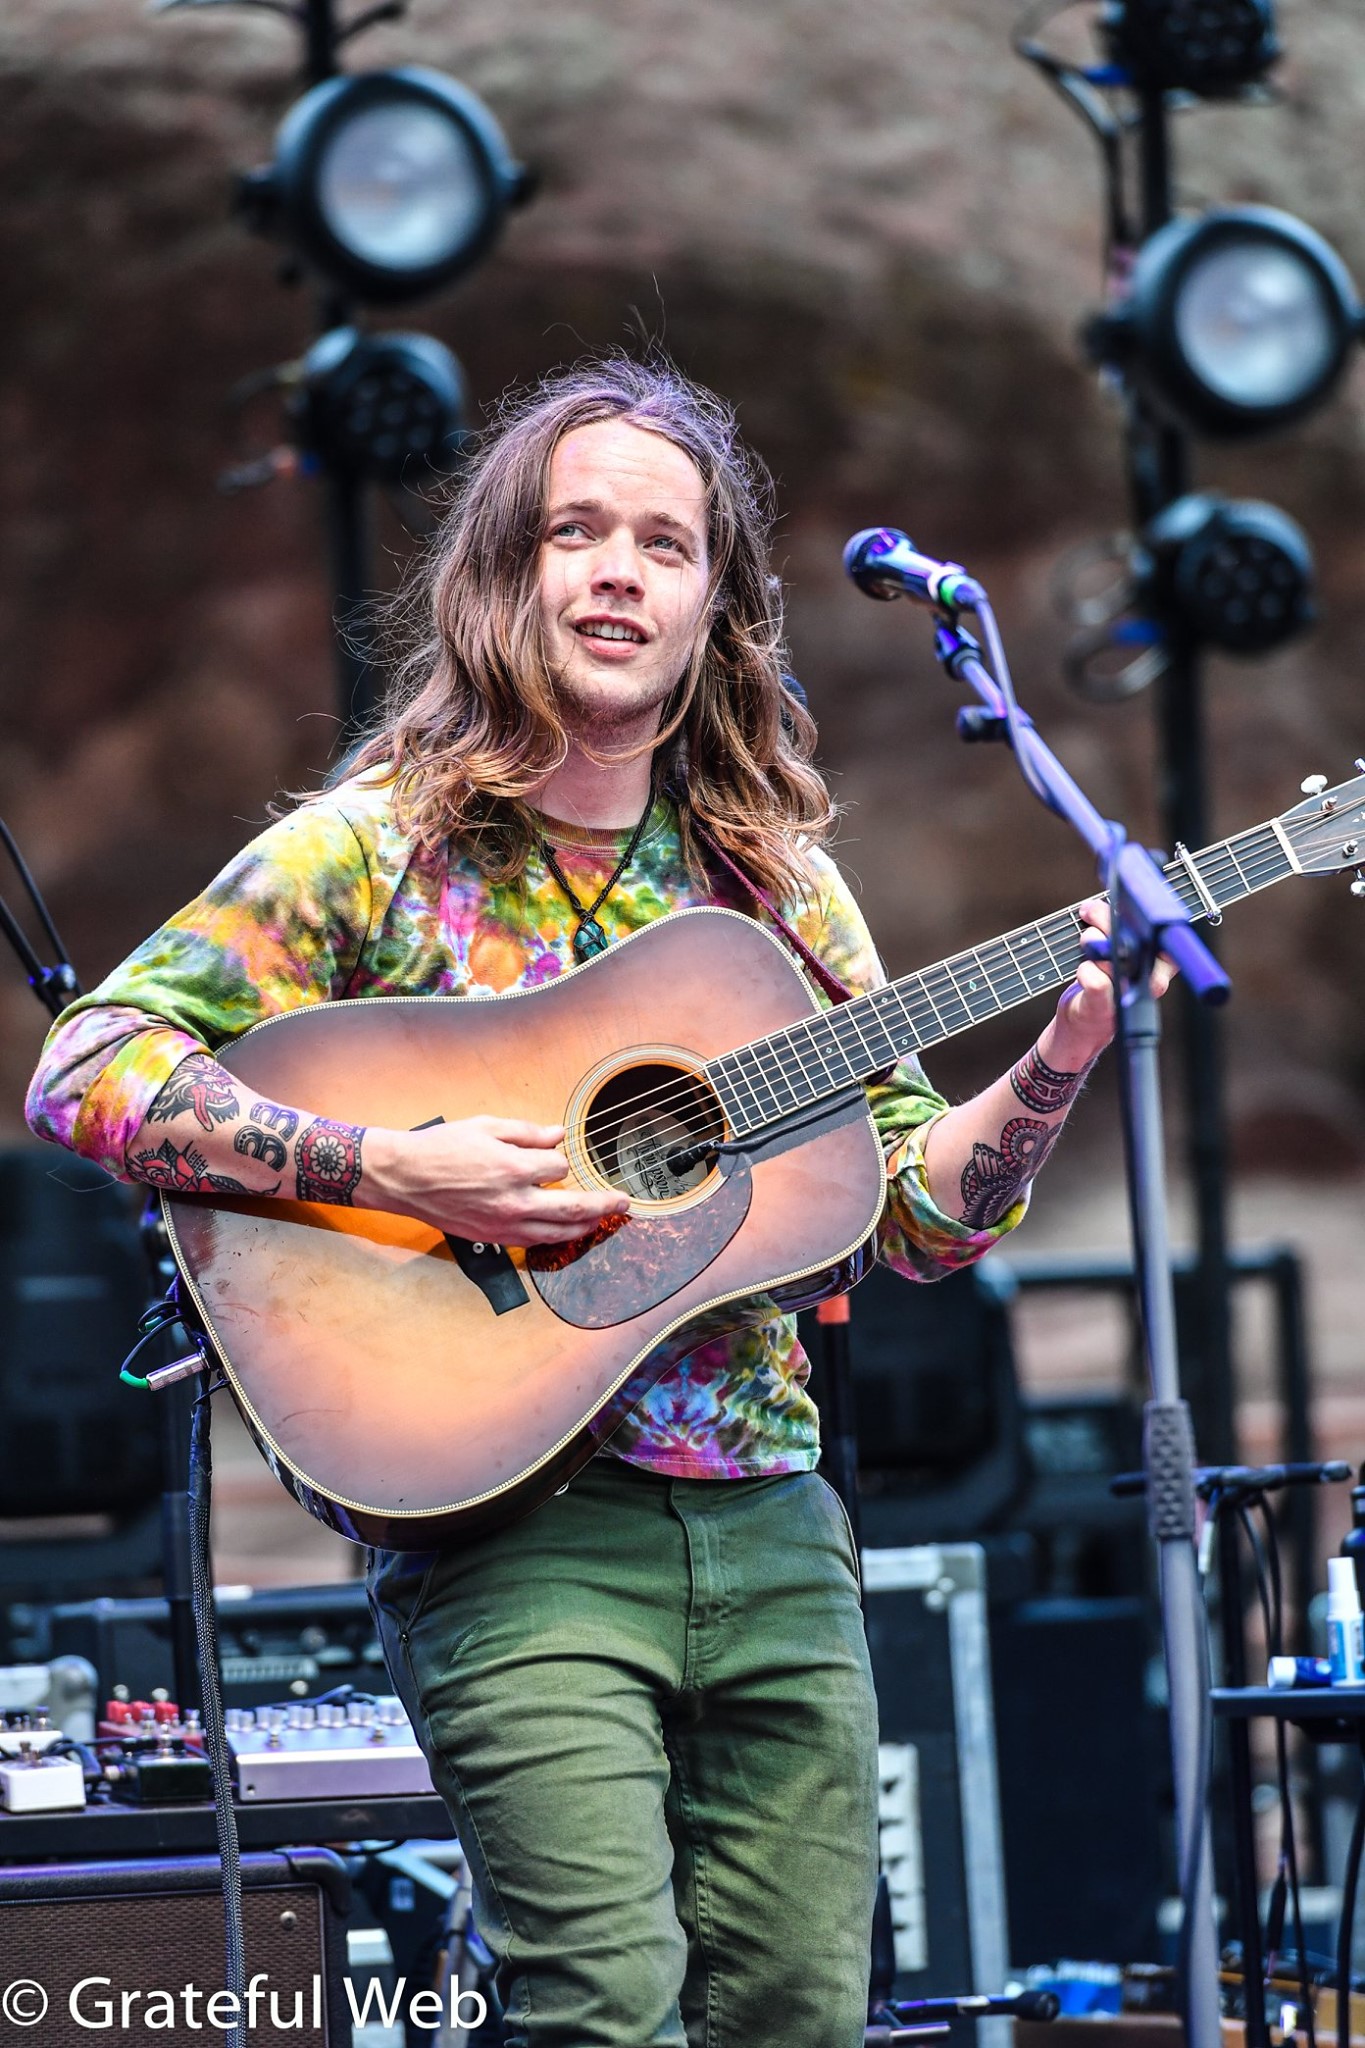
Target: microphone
{"points": [[884, 562]]}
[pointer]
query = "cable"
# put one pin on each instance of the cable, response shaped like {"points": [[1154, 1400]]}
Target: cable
{"points": [[1270, 1594], [1194, 1853], [1275, 1633], [1348, 1913], [1081, 94], [1014, 723], [153, 1323], [215, 1731]]}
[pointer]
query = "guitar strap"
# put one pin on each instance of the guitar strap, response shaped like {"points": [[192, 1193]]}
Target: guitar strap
{"points": [[838, 991]]}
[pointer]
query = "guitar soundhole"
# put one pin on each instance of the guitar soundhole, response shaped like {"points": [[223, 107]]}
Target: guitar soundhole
{"points": [[638, 1117]]}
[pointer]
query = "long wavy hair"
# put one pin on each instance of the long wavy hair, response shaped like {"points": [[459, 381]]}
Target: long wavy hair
{"points": [[473, 723]]}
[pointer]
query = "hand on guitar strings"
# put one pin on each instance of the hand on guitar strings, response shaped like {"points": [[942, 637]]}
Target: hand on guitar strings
{"points": [[488, 1178]]}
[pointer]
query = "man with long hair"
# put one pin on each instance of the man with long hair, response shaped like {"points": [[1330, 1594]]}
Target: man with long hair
{"points": [[647, 1703]]}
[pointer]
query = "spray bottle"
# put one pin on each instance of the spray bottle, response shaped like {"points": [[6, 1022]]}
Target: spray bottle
{"points": [[1345, 1626]]}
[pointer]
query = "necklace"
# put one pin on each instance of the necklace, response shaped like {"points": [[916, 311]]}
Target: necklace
{"points": [[589, 938]]}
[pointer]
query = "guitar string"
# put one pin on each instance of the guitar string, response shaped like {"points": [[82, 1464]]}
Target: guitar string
{"points": [[766, 1066], [1257, 870], [834, 1021], [1012, 951], [769, 1069]]}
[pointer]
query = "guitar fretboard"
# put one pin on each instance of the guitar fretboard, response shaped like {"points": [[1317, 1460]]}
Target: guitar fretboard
{"points": [[822, 1056]]}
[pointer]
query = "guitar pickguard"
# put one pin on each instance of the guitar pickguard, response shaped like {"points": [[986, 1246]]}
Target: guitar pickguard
{"points": [[614, 1274]]}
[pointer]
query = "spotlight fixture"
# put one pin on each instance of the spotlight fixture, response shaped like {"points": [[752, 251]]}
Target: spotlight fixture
{"points": [[1234, 323], [390, 183], [1210, 47], [388, 407], [1232, 573]]}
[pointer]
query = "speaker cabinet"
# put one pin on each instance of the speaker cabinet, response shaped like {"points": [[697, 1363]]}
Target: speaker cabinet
{"points": [[138, 1928]]}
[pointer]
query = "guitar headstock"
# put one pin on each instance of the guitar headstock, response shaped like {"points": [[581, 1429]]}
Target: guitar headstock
{"points": [[1327, 830]]}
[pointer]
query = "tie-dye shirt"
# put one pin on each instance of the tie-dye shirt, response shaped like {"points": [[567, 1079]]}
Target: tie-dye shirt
{"points": [[335, 900]]}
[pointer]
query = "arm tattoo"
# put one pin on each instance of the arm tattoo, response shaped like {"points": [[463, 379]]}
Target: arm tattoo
{"points": [[991, 1180], [262, 1145], [183, 1170], [285, 1121], [1041, 1087], [327, 1158], [201, 1085]]}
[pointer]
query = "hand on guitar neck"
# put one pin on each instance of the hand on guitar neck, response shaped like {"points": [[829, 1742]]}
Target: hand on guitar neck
{"points": [[981, 1155], [486, 1178]]}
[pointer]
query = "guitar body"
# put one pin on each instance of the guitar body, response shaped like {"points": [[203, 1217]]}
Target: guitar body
{"points": [[410, 1390]]}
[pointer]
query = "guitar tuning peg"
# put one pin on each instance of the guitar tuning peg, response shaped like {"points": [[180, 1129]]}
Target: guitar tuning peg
{"points": [[1313, 785], [1359, 763], [1358, 885]]}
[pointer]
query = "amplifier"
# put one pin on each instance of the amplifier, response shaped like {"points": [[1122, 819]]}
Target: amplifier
{"points": [[940, 1801], [281, 1643], [116, 1948]]}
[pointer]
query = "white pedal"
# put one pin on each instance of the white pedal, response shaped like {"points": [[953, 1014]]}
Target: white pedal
{"points": [[42, 1785], [13, 1740], [359, 1751]]}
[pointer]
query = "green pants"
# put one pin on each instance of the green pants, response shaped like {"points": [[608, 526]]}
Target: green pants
{"points": [[649, 1709]]}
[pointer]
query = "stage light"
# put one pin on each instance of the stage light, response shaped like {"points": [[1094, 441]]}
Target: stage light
{"points": [[1234, 323], [1235, 574], [390, 183], [1209, 47], [389, 407]]}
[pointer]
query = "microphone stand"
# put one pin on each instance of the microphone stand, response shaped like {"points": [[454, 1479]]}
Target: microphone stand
{"points": [[1147, 917], [55, 986]]}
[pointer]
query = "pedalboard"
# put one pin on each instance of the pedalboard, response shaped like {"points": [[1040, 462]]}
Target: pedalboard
{"points": [[147, 1753], [359, 1750]]}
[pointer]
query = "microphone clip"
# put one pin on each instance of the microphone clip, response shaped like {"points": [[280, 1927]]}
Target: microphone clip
{"points": [[975, 724], [954, 647]]}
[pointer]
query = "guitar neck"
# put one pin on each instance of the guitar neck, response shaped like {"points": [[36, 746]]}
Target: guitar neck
{"points": [[824, 1055]]}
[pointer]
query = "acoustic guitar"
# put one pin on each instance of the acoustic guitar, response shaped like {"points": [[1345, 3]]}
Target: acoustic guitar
{"points": [[411, 1389]]}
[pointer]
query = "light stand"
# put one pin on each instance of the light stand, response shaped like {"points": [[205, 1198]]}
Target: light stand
{"points": [[1225, 325], [386, 185], [1158, 463], [348, 520]]}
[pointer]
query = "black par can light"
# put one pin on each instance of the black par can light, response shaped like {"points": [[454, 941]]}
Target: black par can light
{"points": [[389, 408], [1235, 574], [1213, 48]]}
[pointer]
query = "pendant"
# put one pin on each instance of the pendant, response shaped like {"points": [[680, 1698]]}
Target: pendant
{"points": [[589, 940]]}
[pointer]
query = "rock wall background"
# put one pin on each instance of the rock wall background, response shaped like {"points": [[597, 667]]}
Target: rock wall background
{"points": [[871, 226]]}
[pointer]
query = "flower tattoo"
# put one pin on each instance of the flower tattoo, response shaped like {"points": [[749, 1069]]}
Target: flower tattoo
{"points": [[991, 1180], [327, 1158]]}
